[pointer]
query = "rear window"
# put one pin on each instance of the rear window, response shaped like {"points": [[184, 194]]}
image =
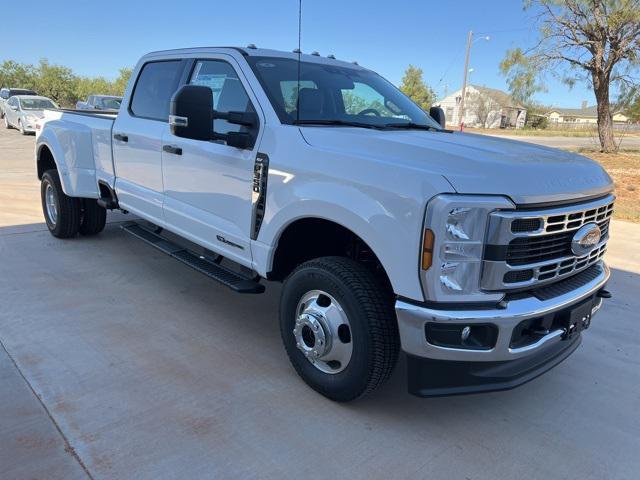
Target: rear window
{"points": [[154, 88], [19, 91]]}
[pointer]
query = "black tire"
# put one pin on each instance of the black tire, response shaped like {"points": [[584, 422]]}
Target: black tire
{"points": [[371, 314], [93, 218], [67, 219]]}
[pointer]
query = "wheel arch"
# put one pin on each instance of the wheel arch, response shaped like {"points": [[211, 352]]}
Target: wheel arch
{"points": [[76, 181], [309, 237]]}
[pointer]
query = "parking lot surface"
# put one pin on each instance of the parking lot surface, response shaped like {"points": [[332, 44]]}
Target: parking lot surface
{"points": [[573, 143], [118, 362]]}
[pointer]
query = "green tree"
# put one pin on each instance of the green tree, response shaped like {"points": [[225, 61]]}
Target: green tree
{"points": [[592, 41], [14, 74], [120, 83], [57, 82], [629, 103], [414, 87]]}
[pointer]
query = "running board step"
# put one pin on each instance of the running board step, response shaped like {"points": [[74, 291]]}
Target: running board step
{"points": [[233, 280]]}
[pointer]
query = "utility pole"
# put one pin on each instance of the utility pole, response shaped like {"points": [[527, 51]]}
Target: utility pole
{"points": [[464, 82]]}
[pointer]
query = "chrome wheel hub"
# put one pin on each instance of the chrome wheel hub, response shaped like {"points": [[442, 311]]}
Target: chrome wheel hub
{"points": [[322, 332], [50, 203]]}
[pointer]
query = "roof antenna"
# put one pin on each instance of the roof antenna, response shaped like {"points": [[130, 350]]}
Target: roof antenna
{"points": [[299, 54]]}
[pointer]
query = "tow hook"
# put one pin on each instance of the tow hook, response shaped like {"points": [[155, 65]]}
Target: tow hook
{"points": [[604, 293]]}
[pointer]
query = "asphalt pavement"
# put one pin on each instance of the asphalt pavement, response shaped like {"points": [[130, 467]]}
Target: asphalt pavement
{"points": [[574, 143], [117, 362]]}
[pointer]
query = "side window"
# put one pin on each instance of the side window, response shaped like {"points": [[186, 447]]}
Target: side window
{"points": [[229, 94], [154, 87], [12, 102]]}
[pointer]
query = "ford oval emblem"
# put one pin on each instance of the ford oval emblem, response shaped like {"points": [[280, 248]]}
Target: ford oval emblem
{"points": [[586, 239]]}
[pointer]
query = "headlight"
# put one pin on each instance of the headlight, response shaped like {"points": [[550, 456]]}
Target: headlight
{"points": [[452, 247]]}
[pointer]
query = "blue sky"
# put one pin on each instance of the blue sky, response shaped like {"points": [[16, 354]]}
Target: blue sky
{"points": [[97, 38]]}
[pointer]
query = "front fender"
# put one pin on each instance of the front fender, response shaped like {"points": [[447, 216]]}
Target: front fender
{"points": [[391, 228]]}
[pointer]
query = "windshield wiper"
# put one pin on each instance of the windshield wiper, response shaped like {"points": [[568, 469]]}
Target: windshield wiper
{"points": [[340, 123], [413, 126]]}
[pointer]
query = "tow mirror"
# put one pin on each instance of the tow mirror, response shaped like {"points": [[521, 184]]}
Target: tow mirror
{"points": [[192, 115], [190, 112], [437, 114]]}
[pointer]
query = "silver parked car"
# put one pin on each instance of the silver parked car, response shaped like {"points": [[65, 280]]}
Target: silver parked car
{"points": [[100, 102], [7, 93], [23, 111]]}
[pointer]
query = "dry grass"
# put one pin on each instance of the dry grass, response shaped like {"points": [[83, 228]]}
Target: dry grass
{"points": [[624, 168]]}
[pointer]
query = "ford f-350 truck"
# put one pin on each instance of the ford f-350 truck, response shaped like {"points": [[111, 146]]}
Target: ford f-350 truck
{"points": [[479, 258]]}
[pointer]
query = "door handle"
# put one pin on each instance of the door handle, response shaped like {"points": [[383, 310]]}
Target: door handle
{"points": [[172, 149], [120, 137]]}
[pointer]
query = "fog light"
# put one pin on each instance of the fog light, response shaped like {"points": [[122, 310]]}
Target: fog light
{"points": [[465, 337]]}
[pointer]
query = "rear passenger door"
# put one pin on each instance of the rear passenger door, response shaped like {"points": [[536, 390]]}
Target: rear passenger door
{"points": [[137, 138], [208, 184]]}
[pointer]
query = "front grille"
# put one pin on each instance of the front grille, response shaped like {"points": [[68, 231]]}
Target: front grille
{"points": [[526, 250], [525, 225], [533, 247], [565, 286]]}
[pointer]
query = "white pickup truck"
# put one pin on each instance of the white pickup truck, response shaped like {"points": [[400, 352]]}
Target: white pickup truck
{"points": [[480, 258]]}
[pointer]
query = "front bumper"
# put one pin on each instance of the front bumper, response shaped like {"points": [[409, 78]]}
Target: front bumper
{"points": [[468, 370], [29, 126]]}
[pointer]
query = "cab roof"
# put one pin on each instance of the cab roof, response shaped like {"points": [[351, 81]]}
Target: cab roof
{"points": [[253, 51]]}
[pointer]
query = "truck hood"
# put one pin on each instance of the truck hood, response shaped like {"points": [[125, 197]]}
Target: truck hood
{"points": [[473, 164]]}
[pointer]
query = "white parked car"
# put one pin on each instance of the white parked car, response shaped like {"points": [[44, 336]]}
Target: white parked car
{"points": [[478, 257], [7, 93], [24, 111]]}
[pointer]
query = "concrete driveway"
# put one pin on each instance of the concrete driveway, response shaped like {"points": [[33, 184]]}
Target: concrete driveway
{"points": [[119, 363], [573, 143]]}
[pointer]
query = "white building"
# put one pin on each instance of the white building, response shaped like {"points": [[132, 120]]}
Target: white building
{"points": [[484, 108]]}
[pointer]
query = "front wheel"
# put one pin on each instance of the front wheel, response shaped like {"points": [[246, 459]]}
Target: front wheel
{"points": [[6, 123], [21, 128], [338, 327], [61, 212]]}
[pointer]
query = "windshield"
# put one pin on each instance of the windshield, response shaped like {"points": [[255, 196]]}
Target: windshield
{"points": [[110, 103], [36, 104], [333, 94]]}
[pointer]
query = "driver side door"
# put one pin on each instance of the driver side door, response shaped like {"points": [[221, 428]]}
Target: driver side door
{"points": [[208, 184]]}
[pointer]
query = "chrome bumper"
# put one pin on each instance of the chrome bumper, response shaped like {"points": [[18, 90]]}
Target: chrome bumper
{"points": [[412, 319]]}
